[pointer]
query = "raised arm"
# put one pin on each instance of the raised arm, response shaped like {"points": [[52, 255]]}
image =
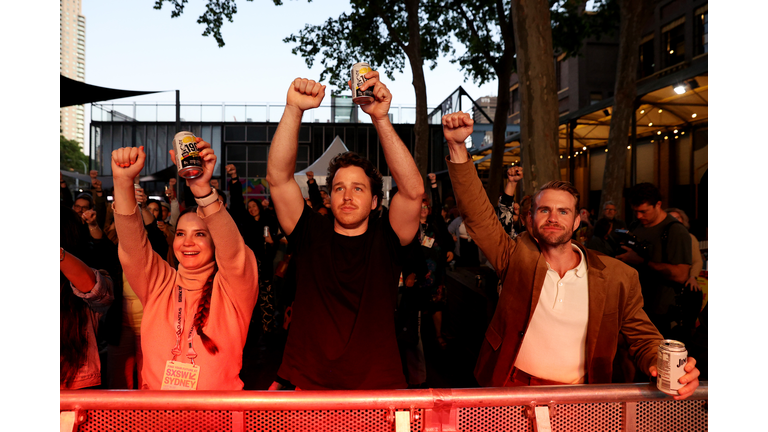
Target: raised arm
{"points": [[406, 204], [477, 212], [303, 94]]}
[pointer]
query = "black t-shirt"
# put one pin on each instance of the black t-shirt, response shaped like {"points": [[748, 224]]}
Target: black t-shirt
{"points": [[342, 333]]}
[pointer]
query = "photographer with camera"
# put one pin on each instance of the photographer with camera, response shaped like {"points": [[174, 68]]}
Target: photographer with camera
{"points": [[659, 247]]}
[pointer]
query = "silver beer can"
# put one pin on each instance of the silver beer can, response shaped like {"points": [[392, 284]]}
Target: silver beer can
{"points": [[670, 365], [189, 164], [361, 97], [266, 231]]}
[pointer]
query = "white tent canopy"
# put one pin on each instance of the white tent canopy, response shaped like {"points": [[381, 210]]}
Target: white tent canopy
{"points": [[320, 170]]}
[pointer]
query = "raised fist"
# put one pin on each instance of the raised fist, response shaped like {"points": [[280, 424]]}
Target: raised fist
{"points": [[96, 184], [89, 217], [514, 173], [305, 94], [457, 127], [231, 170]]}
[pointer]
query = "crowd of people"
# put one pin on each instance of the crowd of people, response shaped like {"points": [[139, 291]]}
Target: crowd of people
{"points": [[163, 294]]}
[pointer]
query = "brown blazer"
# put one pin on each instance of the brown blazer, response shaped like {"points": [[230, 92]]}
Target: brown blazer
{"points": [[615, 299]]}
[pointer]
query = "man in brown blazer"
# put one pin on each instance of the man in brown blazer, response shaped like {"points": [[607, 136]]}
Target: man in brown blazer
{"points": [[562, 307]]}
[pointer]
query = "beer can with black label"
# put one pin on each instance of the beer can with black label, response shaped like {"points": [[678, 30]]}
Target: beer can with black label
{"points": [[670, 365], [188, 161], [361, 97]]}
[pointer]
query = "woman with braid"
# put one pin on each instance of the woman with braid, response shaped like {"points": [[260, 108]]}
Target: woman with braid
{"points": [[195, 318]]}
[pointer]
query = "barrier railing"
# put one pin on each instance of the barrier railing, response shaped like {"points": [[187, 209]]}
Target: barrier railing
{"points": [[619, 407]]}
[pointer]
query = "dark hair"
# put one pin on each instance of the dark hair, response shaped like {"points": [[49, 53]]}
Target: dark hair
{"points": [[223, 196], [86, 196], [644, 193], [73, 340], [347, 159], [204, 305], [557, 185], [258, 204]]}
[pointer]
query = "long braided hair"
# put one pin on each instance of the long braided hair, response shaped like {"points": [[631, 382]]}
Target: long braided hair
{"points": [[73, 340], [204, 305], [203, 309]]}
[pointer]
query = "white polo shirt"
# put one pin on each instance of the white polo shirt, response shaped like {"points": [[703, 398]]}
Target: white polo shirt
{"points": [[554, 346]]}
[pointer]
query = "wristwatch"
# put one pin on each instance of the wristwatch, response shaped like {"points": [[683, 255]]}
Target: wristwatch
{"points": [[208, 199]]}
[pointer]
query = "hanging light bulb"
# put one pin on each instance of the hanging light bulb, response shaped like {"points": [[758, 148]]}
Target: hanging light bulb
{"points": [[584, 148], [693, 115]]}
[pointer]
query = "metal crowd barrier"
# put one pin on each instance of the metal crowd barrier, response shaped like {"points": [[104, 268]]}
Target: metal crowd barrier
{"points": [[616, 407]]}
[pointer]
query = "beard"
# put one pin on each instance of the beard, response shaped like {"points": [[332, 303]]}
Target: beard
{"points": [[552, 238]]}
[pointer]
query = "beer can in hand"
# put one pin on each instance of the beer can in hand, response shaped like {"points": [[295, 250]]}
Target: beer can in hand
{"points": [[361, 97], [266, 231], [188, 161], [670, 366]]}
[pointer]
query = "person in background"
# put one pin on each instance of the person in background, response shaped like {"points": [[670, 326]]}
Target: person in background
{"points": [[85, 294]]}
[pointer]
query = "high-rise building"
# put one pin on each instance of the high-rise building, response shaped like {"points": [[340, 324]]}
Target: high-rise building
{"points": [[72, 64]]}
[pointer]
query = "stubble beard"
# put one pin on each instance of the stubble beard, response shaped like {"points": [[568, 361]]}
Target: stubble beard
{"points": [[552, 239]]}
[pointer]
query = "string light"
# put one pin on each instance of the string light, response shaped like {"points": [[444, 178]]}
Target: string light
{"points": [[675, 131], [650, 124], [660, 110], [629, 147], [693, 115], [584, 148], [658, 132]]}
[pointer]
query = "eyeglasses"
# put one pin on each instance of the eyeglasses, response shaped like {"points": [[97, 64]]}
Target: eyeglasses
{"points": [[77, 208]]}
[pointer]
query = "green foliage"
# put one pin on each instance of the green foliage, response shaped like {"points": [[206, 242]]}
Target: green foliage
{"points": [[571, 25], [477, 26], [376, 32], [213, 18], [71, 157]]}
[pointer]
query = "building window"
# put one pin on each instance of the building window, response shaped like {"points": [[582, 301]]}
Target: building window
{"points": [[673, 43], [646, 66], [700, 31]]}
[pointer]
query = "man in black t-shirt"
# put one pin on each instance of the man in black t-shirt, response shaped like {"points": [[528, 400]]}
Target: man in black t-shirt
{"points": [[664, 266], [342, 332]]}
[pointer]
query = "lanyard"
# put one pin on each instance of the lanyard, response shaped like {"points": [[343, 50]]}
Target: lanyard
{"points": [[176, 351]]}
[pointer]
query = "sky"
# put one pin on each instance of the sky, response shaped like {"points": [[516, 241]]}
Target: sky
{"points": [[129, 45]]}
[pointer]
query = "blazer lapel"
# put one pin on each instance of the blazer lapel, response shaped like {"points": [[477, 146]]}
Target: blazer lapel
{"points": [[597, 295]]}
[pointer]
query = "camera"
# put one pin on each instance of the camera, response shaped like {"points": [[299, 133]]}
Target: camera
{"points": [[628, 239]]}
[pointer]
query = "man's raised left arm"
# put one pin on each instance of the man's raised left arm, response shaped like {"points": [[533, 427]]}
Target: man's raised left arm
{"points": [[406, 203]]}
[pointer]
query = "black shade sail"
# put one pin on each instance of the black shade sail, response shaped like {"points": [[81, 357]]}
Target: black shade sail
{"points": [[73, 92]]}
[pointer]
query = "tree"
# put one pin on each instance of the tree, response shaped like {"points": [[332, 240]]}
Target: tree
{"points": [[632, 15], [71, 156], [485, 28], [493, 40], [213, 17], [385, 33], [382, 32]]}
